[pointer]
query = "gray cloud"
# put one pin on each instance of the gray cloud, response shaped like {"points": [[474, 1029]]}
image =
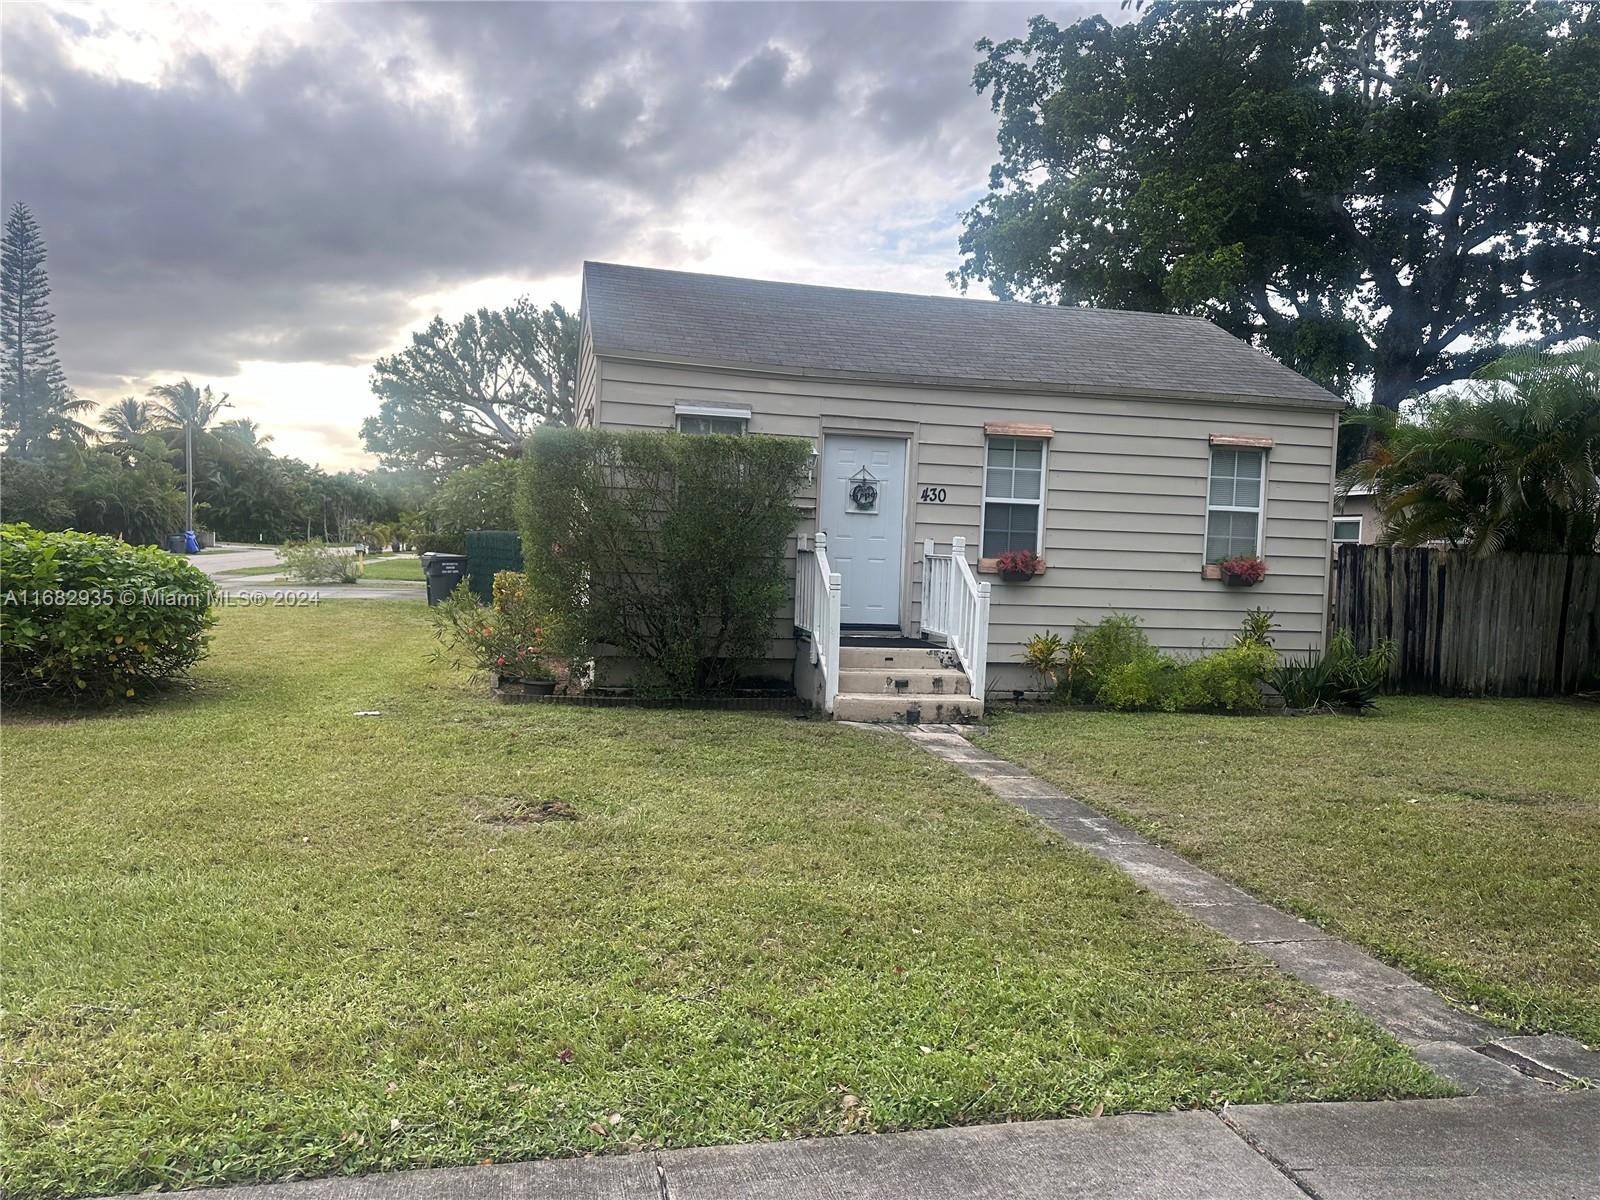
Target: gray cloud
{"points": [[291, 202]]}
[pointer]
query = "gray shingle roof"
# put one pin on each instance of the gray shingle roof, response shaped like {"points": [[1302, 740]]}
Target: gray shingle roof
{"points": [[717, 319]]}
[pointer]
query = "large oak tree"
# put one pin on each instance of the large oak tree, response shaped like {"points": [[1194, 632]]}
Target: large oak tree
{"points": [[1368, 191]]}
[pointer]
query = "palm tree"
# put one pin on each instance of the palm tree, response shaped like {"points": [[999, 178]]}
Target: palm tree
{"points": [[1511, 462], [127, 421], [183, 406], [244, 432]]}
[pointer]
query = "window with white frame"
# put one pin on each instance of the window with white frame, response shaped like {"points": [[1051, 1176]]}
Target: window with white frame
{"points": [[706, 418], [696, 423], [1233, 502], [1013, 495], [1346, 529]]}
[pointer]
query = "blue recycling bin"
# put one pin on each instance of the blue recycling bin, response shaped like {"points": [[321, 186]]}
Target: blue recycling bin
{"points": [[191, 544]]}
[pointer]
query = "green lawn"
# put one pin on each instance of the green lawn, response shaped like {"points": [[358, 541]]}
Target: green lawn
{"points": [[1459, 839], [251, 935], [407, 566]]}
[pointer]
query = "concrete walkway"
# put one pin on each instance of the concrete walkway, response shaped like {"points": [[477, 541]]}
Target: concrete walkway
{"points": [[1544, 1147], [1471, 1053]]}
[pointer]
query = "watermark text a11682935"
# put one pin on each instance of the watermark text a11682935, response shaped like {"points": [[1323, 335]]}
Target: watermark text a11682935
{"points": [[158, 598]]}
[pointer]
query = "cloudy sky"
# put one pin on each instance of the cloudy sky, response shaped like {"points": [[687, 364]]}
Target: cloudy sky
{"points": [[265, 198]]}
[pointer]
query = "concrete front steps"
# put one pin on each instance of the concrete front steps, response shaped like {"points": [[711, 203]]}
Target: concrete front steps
{"points": [[902, 683]]}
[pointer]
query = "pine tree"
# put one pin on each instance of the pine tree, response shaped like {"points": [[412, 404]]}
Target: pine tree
{"points": [[36, 405]]}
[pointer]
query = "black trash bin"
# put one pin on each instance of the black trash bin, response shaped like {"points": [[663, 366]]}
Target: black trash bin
{"points": [[443, 572], [175, 543]]}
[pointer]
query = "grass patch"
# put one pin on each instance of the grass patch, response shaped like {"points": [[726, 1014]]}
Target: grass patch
{"points": [[1458, 839], [269, 569], [250, 935], [406, 567]]}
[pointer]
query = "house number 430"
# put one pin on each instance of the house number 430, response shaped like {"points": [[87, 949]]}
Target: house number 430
{"points": [[933, 495]]}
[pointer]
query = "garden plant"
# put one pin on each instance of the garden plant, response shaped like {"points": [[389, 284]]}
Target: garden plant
{"points": [[316, 562], [89, 619]]}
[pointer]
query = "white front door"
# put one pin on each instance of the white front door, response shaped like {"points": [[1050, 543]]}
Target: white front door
{"points": [[862, 509]]}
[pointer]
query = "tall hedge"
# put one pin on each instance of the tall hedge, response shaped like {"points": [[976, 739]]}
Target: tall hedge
{"points": [[91, 619], [666, 546]]}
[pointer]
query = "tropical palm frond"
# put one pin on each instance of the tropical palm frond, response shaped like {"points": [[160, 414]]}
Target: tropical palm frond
{"points": [[1506, 463]]}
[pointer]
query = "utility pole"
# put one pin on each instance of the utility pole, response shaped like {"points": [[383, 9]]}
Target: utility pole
{"points": [[188, 470]]}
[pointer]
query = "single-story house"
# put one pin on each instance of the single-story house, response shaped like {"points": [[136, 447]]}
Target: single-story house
{"points": [[1130, 450]]}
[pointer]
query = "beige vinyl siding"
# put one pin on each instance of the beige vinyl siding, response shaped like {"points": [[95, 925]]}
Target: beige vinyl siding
{"points": [[1126, 488], [587, 384]]}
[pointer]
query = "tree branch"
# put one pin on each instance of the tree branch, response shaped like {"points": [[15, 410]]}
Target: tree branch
{"points": [[1380, 265]]}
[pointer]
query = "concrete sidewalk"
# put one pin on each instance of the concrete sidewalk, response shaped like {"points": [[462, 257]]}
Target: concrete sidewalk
{"points": [[1537, 1147]]}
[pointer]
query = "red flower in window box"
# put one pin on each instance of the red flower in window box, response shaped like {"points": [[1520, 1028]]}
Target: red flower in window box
{"points": [[1246, 570], [1017, 565]]}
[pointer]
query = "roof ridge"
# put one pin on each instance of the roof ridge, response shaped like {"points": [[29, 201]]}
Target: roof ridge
{"points": [[861, 291]]}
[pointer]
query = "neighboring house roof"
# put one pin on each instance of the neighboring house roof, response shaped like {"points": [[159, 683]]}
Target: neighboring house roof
{"points": [[676, 316]]}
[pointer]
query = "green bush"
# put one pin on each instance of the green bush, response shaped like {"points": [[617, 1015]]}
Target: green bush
{"points": [[1339, 677], [1113, 663], [1229, 679], [317, 562], [668, 547], [481, 497], [1144, 682], [91, 619], [514, 636], [1114, 646], [440, 543]]}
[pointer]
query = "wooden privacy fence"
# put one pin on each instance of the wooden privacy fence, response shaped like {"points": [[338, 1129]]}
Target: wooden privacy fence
{"points": [[1506, 625]]}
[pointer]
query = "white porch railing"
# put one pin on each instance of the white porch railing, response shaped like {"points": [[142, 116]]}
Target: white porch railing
{"points": [[817, 592], [955, 607]]}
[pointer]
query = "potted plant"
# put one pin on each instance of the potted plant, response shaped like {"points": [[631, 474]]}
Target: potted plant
{"points": [[1016, 566], [524, 669], [1243, 570]]}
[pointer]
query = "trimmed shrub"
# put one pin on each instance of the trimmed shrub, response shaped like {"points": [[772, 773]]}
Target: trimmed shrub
{"points": [[317, 562], [89, 619], [668, 547]]}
